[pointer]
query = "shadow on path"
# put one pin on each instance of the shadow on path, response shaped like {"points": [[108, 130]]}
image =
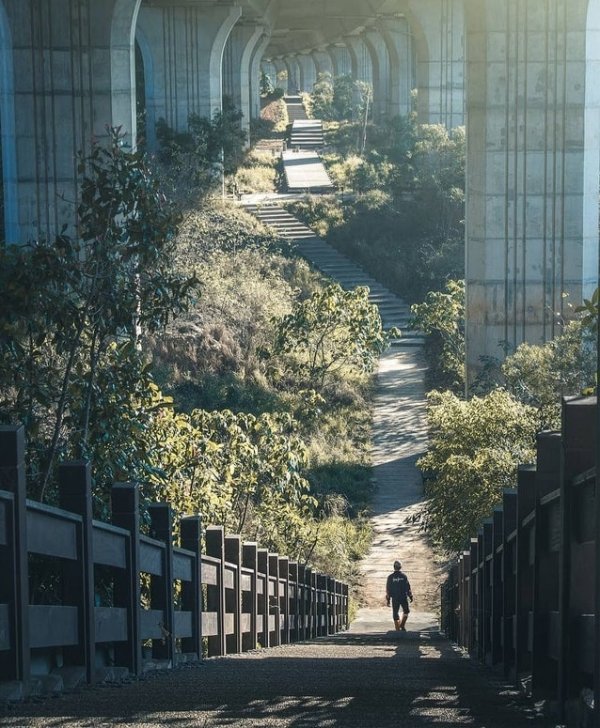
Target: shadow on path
{"points": [[369, 680]]}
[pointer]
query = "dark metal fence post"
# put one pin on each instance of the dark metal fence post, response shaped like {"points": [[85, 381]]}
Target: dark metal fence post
{"points": [[284, 598], [274, 606], [12, 479], [263, 568], [303, 604], [191, 592], [161, 527], [75, 486], [250, 561], [233, 555], [215, 547], [126, 515], [294, 601]]}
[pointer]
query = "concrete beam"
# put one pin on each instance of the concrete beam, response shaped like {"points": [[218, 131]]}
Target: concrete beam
{"points": [[397, 36], [380, 64]]}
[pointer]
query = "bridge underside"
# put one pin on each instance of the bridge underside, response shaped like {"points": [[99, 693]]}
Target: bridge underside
{"points": [[528, 94]]}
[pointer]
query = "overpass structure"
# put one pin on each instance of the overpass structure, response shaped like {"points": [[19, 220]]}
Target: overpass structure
{"points": [[522, 74]]}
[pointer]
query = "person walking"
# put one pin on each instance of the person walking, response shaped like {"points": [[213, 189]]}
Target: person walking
{"points": [[397, 589]]}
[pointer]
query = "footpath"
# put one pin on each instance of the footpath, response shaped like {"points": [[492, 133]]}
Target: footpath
{"points": [[369, 677]]}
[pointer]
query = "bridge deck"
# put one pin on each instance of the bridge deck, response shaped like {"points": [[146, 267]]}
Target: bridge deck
{"points": [[368, 680], [305, 171]]}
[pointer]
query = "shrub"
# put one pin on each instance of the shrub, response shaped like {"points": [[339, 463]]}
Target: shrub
{"points": [[475, 447]]}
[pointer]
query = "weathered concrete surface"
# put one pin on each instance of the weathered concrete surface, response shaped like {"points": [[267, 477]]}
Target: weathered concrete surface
{"points": [[305, 171], [532, 160]]}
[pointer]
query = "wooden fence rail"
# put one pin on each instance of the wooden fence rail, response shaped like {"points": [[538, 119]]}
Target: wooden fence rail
{"points": [[523, 595], [119, 597]]}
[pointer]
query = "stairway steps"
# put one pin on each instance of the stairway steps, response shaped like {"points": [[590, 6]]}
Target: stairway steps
{"points": [[394, 312]]}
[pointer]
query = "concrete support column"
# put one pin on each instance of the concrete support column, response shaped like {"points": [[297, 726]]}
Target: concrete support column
{"points": [[237, 62], [257, 56], [533, 110], [268, 68], [360, 58], [57, 95], [323, 62], [293, 69], [341, 60], [283, 79], [397, 36], [185, 43], [308, 72], [438, 29], [380, 64]]}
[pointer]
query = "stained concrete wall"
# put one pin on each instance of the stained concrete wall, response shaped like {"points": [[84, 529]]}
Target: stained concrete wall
{"points": [[67, 73], [237, 68], [398, 38], [532, 168], [185, 46], [438, 32]]}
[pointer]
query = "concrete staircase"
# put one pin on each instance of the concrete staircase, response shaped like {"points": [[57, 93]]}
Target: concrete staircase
{"points": [[394, 311], [295, 108], [307, 134]]}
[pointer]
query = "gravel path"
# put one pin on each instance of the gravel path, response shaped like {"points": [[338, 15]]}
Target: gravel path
{"points": [[353, 681]]}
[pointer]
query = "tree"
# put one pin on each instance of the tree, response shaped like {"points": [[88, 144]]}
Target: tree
{"points": [[442, 317], [331, 331], [540, 374], [475, 447], [70, 305], [344, 92], [266, 84], [322, 97]]}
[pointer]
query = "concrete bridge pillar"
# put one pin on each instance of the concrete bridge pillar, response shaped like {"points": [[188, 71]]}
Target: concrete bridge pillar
{"points": [[56, 96], [380, 63], [308, 72], [341, 60], [438, 29], [183, 44], [533, 109], [255, 63], [282, 74], [237, 68], [293, 69], [397, 36], [323, 62], [360, 58]]}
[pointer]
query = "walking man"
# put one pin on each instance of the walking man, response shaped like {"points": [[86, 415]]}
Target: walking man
{"points": [[398, 590]]}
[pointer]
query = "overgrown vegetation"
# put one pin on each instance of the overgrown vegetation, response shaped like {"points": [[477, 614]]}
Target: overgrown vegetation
{"points": [[146, 345], [477, 444]]}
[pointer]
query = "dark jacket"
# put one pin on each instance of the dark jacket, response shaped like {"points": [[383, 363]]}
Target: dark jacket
{"points": [[397, 586]]}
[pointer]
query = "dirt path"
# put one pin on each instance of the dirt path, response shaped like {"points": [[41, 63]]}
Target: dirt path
{"points": [[399, 438]]}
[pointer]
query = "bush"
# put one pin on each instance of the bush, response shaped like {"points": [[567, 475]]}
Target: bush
{"points": [[475, 447], [256, 179]]}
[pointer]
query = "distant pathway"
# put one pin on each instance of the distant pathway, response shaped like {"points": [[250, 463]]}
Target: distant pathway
{"points": [[399, 438], [399, 435]]}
